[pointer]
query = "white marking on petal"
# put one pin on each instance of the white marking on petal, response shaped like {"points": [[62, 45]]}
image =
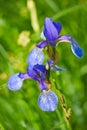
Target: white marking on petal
{"points": [[15, 82], [48, 101]]}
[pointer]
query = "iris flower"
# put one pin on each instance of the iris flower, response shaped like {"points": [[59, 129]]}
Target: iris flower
{"points": [[40, 72], [51, 35], [47, 100]]}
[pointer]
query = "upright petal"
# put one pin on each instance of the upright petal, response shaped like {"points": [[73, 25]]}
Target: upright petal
{"points": [[38, 72], [48, 101], [39, 68], [15, 82], [42, 44], [58, 26], [36, 56], [50, 30]]}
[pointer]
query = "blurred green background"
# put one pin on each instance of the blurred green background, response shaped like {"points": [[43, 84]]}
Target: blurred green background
{"points": [[20, 25]]}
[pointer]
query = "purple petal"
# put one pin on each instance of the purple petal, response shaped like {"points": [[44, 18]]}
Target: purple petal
{"points": [[39, 68], [64, 38], [57, 68], [50, 62], [76, 49], [24, 76], [42, 44], [50, 30], [31, 73], [42, 84], [58, 26], [15, 82], [38, 72], [36, 56], [48, 101]]}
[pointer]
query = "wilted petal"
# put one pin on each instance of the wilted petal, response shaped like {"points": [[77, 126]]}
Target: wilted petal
{"points": [[76, 49], [57, 68], [48, 101], [15, 82], [50, 30], [36, 56], [58, 26], [42, 44]]}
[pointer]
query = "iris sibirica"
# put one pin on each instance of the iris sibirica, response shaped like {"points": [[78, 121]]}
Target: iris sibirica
{"points": [[51, 35], [40, 72], [47, 100]]}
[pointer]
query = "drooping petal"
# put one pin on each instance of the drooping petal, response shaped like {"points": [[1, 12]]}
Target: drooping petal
{"points": [[24, 76], [36, 56], [48, 101], [50, 30], [57, 68], [58, 26], [42, 84], [64, 38], [15, 82], [76, 49], [42, 44]]}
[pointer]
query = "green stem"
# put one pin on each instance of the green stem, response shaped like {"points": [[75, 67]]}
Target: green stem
{"points": [[62, 103], [62, 124]]}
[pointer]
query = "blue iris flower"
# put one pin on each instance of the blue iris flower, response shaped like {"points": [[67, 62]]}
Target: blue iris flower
{"points": [[51, 32], [47, 100], [39, 72]]}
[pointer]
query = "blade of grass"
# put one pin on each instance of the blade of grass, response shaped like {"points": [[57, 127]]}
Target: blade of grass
{"points": [[3, 53], [52, 5], [5, 56], [69, 10]]}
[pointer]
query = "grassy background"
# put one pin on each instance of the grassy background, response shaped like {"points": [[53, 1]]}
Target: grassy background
{"points": [[20, 26]]}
